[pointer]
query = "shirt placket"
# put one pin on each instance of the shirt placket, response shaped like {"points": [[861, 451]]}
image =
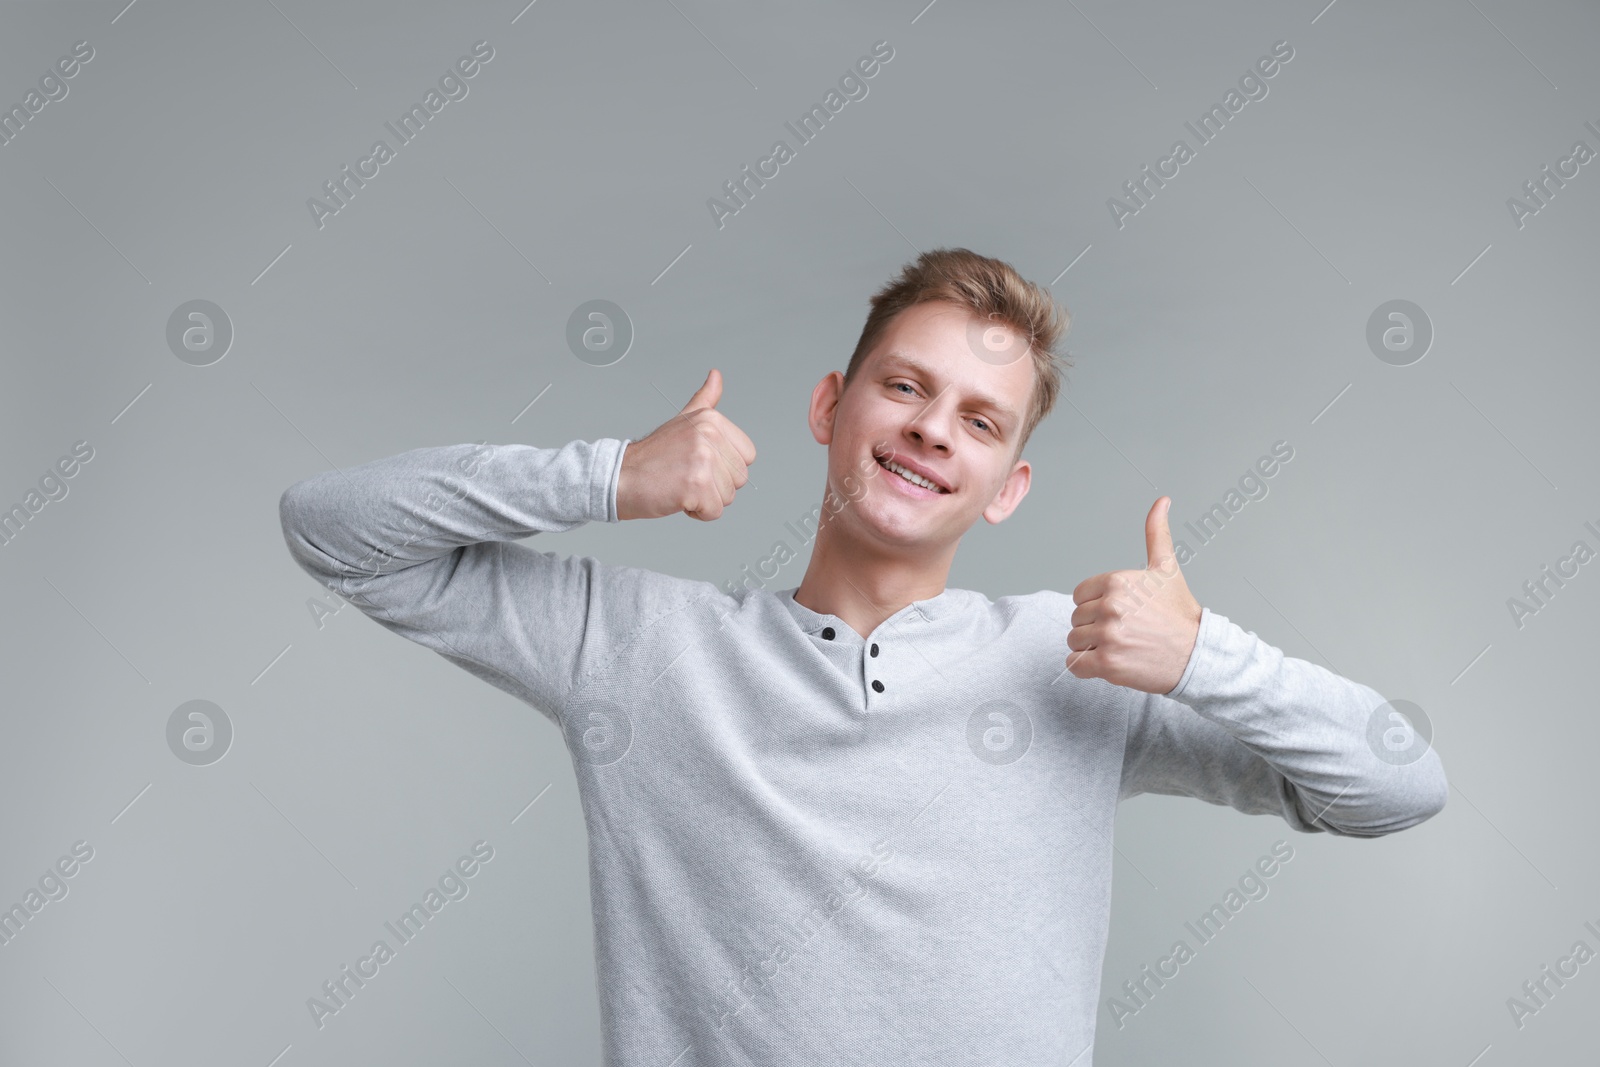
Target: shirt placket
{"points": [[869, 663]]}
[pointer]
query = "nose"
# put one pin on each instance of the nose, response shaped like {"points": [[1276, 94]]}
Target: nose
{"points": [[930, 427]]}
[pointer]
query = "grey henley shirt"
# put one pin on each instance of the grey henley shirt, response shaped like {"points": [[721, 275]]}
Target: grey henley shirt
{"points": [[808, 847]]}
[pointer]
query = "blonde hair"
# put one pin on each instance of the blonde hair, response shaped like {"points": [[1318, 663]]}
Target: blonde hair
{"points": [[991, 290]]}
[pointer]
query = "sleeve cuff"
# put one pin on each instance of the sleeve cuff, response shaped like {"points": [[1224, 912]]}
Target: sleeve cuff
{"points": [[605, 476], [1204, 640]]}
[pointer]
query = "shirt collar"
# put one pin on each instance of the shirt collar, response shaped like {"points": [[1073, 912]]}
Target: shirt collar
{"points": [[930, 610]]}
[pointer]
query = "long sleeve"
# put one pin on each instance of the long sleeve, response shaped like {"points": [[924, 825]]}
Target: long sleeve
{"points": [[422, 543], [1266, 733]]}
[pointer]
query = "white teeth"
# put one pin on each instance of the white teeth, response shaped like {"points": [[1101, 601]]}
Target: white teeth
{"points": [[913, 478]]}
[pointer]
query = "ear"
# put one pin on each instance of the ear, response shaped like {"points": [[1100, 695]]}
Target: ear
{"points": [[1010, 494], [824, 405]]}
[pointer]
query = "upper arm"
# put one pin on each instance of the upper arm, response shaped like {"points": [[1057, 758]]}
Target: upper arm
{"points": [[425, 542], [533, 624]]}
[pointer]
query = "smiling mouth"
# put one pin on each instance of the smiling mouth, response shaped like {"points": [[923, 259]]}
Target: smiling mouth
{"points": [[908, 475]]}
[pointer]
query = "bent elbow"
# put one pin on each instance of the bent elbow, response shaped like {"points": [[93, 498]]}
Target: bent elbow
{"points": [[297, 516], [1428, 792], [1423, 795], [289, 511], [292, 518]]}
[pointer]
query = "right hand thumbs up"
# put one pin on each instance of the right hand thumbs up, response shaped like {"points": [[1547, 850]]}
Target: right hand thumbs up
{"points": [[708, 394], [693, 463]]}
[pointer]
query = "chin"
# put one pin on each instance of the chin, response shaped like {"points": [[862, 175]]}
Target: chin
{"points": [[900, 526]]}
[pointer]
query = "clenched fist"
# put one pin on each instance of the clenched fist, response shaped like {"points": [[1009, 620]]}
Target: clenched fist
{"points": [[693, 463]]}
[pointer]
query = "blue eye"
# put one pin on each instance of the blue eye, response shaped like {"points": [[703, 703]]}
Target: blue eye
{"points": [[982, 423]]}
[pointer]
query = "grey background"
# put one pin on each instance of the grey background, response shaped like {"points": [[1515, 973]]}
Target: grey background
{"points": [[1228, 314]]}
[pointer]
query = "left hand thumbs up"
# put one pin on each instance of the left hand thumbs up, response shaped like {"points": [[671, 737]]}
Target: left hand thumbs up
{"points": [[1137, 628]]}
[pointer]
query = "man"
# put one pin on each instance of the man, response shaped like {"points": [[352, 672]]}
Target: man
{"points": [[867, 819]]}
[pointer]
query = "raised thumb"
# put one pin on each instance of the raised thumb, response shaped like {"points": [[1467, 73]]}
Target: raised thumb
{"points": [[1158, 536], [708, 394]]}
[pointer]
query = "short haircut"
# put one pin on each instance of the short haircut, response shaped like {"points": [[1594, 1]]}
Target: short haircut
{"points": [[991, 290]]}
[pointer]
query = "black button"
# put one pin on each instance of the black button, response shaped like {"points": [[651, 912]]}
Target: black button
{"points": [[874, 649], [827, 633], [877, 685]]}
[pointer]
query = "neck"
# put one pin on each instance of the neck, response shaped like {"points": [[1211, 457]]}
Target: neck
{"points": [[863, 582]]}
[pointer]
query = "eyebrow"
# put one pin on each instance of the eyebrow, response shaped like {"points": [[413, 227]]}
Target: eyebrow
{"points": [[1008, 417]]}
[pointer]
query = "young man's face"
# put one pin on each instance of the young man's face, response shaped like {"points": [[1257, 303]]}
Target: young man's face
{"points": [[924, 399]]}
